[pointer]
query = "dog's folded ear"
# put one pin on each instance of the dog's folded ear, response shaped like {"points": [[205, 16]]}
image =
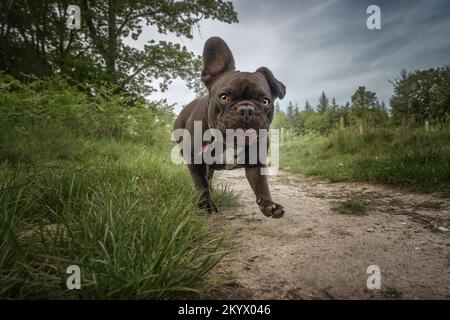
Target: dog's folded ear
{"points": [[217, 60], [278, 89]]}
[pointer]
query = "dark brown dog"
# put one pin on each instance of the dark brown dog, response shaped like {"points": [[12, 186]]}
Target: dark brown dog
{"points": [[236, 100]]}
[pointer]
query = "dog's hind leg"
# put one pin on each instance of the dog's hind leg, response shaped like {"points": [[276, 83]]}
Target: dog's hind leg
{"points": [[199, 173], [209, 174]]}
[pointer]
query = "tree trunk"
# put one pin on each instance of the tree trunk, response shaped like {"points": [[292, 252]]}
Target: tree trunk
{"points": [[111, 52]]}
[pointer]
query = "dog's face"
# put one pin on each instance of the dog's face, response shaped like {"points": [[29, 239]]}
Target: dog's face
{"points": [[237, 100]]}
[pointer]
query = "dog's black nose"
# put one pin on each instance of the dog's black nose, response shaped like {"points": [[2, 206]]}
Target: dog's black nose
{"points": [[246, 112]]}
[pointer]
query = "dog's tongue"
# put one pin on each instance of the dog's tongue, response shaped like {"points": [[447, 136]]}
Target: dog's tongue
{"points": [[203, 149]]}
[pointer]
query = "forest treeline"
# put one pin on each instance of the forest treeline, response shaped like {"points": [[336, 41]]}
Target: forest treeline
{"points": [[421, 98]]}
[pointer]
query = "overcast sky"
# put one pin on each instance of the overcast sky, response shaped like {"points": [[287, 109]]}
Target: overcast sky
{"points": [[325, 45]]}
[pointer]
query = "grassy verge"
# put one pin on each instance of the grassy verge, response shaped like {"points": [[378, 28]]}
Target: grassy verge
{"points": [[414, 158], [96, 195]]}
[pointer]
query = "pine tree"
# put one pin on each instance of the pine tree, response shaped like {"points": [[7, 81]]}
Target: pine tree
{"points": [[296, 109], [334, 116], [308, 107], [323, 103], [290, 110], [334, 105]]}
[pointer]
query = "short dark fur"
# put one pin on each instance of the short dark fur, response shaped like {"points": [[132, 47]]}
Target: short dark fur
{"points": [[246, 91]]}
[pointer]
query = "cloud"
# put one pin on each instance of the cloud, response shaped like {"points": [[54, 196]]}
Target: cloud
{"points": [[314, 46]]}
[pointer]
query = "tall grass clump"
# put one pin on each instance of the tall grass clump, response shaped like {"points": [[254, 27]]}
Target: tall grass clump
{"points": [[413, 157], [85, 181]]}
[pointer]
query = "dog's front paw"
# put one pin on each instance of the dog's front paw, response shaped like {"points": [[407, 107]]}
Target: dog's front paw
{"points": [[270, 208]]}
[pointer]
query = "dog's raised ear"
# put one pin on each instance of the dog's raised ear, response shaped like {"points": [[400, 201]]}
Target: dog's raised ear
{"points": [[278, 89], [217, 60]]}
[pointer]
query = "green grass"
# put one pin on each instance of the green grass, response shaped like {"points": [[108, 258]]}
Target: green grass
{"points": [[114, 205], [413, 158], [351, 206], [433, 205]]}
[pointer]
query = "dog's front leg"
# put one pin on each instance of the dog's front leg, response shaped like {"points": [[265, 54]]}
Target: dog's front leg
{"points": [[200, 177], [260, 187]]}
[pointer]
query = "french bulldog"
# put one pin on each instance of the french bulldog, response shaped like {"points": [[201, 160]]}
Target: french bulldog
{"points": [[236, 100]]}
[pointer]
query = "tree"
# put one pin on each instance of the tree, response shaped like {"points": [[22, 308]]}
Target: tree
{"points": [[365, 108], [344, 114], [308, 107], [316, 122], [362, 102], [290, 112], [296, 109], [400, 100], [334, 105], [334, 116], [363, 99], [421, 96], [383, 115], [101, 50], [323, 103]]}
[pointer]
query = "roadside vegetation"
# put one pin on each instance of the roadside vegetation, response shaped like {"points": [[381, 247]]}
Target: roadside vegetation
{"points": [[86, 176], [85, 182], [362, 140]]}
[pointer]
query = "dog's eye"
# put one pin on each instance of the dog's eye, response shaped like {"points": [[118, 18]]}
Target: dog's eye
{"points": [[224, 98], [265, 102]]}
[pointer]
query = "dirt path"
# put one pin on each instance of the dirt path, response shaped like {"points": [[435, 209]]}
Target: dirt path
{"points": [[313, 252]]}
